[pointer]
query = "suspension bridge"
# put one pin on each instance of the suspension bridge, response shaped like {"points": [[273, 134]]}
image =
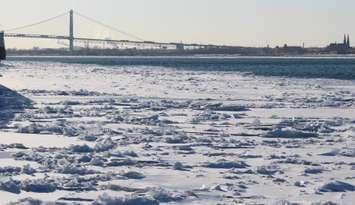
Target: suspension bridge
{"points": [[137, 43]]}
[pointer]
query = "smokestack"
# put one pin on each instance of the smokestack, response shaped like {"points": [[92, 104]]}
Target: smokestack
{"points": [[2, 46]]}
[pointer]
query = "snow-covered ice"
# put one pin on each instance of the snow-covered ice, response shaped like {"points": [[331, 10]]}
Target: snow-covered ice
{"points": [[102, 135]]}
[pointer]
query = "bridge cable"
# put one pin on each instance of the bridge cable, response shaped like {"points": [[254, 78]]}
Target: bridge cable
{"points": [[37, 23], [110, 27]]}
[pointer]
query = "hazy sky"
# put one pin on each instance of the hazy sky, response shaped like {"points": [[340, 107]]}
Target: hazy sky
{"points": [[236, 22]]}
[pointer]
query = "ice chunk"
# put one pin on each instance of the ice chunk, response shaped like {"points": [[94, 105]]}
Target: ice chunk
{"points": [[346, 152], [10, 171], [181, 167], [289, 133], [105, 145], [165, 196], [268, 170], [337, 186], [29, 201], [324, 203], [10, 185], [128, 200], [224, 164], [314, 170], [75, 169], [132, 175], [38, 185], [176, 139], [285, 202], [81, 148]]}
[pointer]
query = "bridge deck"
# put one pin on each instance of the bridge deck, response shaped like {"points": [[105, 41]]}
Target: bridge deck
{"points": [[147, 43]]}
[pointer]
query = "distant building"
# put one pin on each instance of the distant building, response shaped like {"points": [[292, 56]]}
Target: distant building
{"points": [[341, 48], [289, 50]]}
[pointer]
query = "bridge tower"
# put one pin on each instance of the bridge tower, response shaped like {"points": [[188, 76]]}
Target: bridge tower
{"points": [[71, 30]]}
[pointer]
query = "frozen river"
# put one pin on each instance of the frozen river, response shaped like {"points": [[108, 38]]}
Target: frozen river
{"points": [[183, 130]]}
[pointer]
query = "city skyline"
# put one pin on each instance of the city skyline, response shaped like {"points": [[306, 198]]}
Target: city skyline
{"points": [[254, 23]]}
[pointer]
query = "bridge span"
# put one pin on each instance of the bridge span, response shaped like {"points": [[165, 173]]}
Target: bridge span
{"points": [[138, 43], [126, 42]]}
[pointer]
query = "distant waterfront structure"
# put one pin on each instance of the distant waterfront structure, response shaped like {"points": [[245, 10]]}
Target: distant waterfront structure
{"points": [[180, 47], [288, 50], [2, 46], [340, 48]]}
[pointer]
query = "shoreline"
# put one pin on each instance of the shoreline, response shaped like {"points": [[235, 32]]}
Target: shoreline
{"points": [[194, 56]]}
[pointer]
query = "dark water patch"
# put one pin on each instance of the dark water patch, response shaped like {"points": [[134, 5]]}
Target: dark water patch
{"points": [[335, 67]]}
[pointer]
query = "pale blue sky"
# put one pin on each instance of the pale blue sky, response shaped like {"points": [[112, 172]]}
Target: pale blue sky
{"points": [[235, 22]]}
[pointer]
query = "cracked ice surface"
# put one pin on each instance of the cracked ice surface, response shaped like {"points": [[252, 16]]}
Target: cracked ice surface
{"points": [[142, 135]]}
